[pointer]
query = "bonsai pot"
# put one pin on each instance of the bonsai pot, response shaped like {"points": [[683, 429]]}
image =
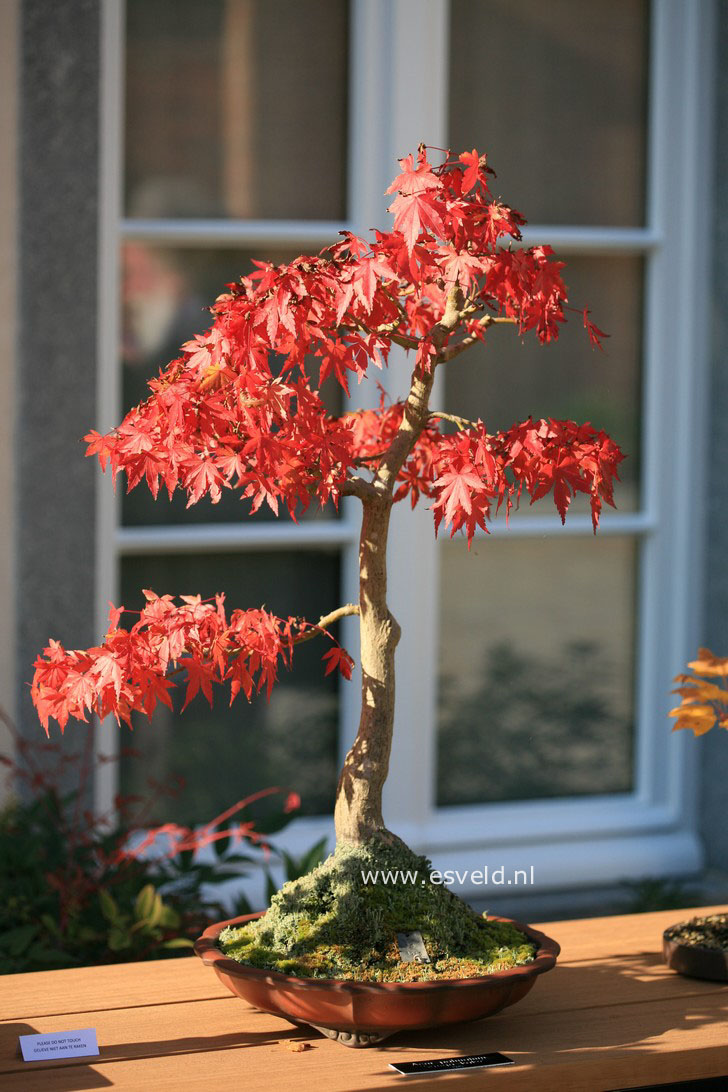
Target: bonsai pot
{"points": [[692, 958], [362, 1014]]}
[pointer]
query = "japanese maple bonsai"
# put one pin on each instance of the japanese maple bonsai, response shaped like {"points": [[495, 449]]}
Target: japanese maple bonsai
{"points": [[240, 408], [699, 947]]}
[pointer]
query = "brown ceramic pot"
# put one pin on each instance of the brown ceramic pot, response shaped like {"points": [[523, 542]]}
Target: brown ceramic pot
{"points": [[694, 961], [364, 1013]]}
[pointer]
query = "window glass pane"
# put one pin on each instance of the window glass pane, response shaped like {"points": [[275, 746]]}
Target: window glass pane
{"points": [[225, 752], [505, 379], [236, 108], [556, 94], [165, 291], [536, 668]]}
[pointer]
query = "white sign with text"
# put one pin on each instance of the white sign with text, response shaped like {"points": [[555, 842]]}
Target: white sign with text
{"points": [[59, 1044]]}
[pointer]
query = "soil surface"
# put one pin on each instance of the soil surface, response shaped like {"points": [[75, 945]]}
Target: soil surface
{"points": [[709, 932], [340, 922]]}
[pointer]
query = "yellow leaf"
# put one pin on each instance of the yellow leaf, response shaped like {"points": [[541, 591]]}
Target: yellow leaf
{"points": [[710, 692], [699, 718], [211, 377], [692, 710], [709, 664], [702, 692]]}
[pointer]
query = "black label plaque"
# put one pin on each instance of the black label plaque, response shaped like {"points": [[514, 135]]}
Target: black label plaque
{"points": [[447, 1065], [412, 948]]}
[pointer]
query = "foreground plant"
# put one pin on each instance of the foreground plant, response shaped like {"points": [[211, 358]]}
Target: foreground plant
{"points": [[699, 947], [79, 888], [240, 409], [704, 694]]}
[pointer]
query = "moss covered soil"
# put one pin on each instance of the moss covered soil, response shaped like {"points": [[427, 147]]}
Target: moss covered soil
{"points": [[333, 924], [708, 932]]}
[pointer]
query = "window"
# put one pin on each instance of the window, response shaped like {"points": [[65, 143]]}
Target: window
{"points": [[534, 678], [538, 659], [225, 158]]}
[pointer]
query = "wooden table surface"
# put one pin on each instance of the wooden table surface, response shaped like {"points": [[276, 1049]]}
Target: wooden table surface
{"points": [[610, 1016]]}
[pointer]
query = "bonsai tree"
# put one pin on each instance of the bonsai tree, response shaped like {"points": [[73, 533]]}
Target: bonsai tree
{"points": [[240, 408], [699, 947]]}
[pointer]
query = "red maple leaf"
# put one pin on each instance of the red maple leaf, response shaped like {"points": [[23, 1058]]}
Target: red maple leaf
{"points": [[472, 163], [413, 213], [338, 659], [462, 500], [414, 179], [595, 334]]}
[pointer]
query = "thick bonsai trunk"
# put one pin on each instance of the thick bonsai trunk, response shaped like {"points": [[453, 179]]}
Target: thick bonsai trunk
{"points": [[358, 812]]}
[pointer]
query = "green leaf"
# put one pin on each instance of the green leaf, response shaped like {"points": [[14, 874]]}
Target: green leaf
{"points": [[169, 919], [239, 858], [155, 916], [271, 824], [18, 940], [119, 939], [144, 903], [50, 924], [108, 906], [177, 942], [315, 856], [42, 956], [291, 865], [242, 906]]}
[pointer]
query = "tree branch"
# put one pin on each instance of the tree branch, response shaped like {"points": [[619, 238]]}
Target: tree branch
{"points": [[326, 621], [415, 413], [362, 460], [355, 486], [404, 341], [461, 422], [388, 329], [452, 351]]}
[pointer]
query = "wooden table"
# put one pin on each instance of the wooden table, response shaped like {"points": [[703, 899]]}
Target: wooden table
{"points": [[610, 1016]]}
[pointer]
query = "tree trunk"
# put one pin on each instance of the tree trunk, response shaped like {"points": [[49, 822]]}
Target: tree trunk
{"points": [[358, 812], [358, 809]]}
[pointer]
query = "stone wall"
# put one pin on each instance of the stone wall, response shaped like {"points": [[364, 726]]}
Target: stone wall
{"points": [[57, 305]]}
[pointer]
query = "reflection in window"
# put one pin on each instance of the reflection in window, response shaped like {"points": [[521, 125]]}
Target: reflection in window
{"points": [[536, 669], [225, 753], [556, 94], [236, 108], [165, 292]]}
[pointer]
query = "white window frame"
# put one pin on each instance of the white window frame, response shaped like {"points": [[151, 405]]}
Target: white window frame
{"points": [[397, 96]]}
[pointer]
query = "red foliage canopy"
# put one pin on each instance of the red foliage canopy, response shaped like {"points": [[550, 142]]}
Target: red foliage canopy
{"points": [[130, 669], [240, 408]]}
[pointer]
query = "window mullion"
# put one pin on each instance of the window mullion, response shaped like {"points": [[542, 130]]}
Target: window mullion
{"points": [[202, 538], [418, 112], [589, 240], [235, 233], [676, 328]]}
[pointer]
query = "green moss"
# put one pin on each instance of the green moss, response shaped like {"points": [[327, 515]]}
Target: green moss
{"points": [[331, 924], [709, 932]]}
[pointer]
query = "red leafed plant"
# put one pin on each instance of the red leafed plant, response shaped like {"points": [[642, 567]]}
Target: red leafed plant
{"points": [[223, 415]]}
